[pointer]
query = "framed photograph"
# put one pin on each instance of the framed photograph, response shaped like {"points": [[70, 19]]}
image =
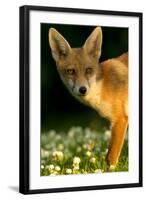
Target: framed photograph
{"points": [[80, 99]]}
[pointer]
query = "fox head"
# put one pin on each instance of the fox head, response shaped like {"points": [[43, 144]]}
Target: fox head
{"points": [[78, 67]]}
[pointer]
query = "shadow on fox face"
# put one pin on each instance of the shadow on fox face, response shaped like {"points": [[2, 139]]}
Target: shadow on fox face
{"points": [[79, 68]]}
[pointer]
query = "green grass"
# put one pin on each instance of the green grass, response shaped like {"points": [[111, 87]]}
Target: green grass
{"points": [[77, 151]]}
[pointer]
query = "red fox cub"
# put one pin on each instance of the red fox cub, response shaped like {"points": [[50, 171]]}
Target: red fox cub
{"points": [[102, 86]]}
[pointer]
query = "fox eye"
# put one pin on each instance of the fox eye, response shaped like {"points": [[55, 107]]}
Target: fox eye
{"points": [[89, 70], [70, 71]]}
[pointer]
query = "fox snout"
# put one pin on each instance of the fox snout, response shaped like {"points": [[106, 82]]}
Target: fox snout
{"points": [[76, 87], [80, 90]]}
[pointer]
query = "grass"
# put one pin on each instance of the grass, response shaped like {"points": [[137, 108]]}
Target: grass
{"points": [[77, 151]]}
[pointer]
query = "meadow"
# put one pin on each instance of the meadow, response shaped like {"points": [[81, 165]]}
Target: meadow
{"points": [[77, 151]]}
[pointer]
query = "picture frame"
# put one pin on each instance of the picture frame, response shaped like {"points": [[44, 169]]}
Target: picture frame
{"points": [[31, 18]]}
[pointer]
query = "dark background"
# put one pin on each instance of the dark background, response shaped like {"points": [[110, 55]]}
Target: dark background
{"points": [[59, 110]]}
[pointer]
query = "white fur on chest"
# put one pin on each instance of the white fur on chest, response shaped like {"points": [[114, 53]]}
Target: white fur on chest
{"points": [[94, 99]]}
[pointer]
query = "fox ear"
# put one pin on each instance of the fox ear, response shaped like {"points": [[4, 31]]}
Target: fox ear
{"points": [[94, 42], [59, 46]]}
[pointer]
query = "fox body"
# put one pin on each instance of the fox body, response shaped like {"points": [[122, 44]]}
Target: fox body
{"points": [[102, 86]]}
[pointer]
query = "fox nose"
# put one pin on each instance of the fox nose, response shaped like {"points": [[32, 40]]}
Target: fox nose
{"points": [[82, 90]]}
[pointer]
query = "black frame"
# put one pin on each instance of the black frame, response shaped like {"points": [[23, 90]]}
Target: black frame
{"points": [[24, 99]]}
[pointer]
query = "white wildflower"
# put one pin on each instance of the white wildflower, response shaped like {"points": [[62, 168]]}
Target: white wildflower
{"points": [[50, 167], [58, 155], [98, 171], [93, 160], [68, 171], [57, 168], [42, 167], [76, 160], [76, 167], [71, 133], [88, 153]]}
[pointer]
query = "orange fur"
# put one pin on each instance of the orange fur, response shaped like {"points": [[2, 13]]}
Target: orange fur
{"points": [[117, 96]]}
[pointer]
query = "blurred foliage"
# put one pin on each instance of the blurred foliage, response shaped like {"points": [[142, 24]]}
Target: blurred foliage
{"points": [[59, 109]]}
